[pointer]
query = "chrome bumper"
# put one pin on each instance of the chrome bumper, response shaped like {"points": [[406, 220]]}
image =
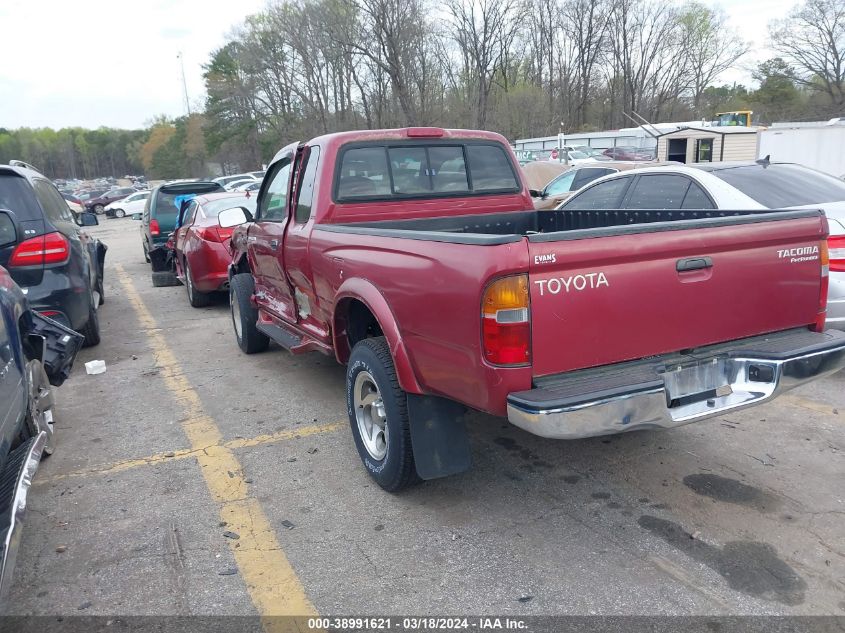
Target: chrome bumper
{"points": [[674, 390], [16, 480]]}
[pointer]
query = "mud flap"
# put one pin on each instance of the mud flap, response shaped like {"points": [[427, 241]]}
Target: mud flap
{"points": [[161, 259], [438, 436]]}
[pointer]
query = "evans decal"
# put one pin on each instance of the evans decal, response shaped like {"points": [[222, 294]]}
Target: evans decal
{"points": [[800, 254], [548, 258], [572, 283]]}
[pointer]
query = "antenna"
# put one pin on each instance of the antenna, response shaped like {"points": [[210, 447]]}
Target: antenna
{"points": [[646, 122], [184, 82]]}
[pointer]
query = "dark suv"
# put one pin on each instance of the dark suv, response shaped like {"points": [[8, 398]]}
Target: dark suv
{"points": [[59, 266], [162, 209]]}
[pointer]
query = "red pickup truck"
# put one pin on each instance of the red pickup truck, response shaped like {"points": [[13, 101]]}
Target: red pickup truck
{"points": [[414, 256]]}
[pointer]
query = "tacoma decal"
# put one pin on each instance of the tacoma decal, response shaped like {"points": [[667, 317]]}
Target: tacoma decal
{"points": [[573, 282], [799, 254]]}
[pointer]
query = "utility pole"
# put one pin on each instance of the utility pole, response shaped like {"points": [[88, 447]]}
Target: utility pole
{"points": [[184, 82]]}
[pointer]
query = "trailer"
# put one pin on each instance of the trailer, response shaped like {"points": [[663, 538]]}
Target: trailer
{"points": [[818, 145]]}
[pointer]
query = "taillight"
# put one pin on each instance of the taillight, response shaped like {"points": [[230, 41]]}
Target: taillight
{"points": [[214, 233], [51, 248], [505, 321], [49, 313], [154, 228], [821, 315], [836, 248]]}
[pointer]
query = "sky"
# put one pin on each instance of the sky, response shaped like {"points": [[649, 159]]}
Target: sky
{"points": [[115, 63]]}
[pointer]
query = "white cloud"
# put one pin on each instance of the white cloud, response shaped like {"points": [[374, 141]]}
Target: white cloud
{"points": [[106, 62], [113, 62]]}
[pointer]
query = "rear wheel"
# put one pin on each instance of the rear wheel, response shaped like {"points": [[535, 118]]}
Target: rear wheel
{"points": [[245, 315], [146, 253], [40, 411], [91, 330], [119, 213], [378, 415], [196, 298]]}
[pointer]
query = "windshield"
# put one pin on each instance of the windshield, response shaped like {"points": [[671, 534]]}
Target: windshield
{"points": [[779, 186]]}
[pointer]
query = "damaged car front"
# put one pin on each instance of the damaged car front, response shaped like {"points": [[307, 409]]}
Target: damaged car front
{"points": [[36, 355]]}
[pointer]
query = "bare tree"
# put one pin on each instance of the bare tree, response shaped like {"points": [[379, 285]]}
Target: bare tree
{"points": [[710, 47], [587, 22], [484, 30], [646, 44], [812, 39]]}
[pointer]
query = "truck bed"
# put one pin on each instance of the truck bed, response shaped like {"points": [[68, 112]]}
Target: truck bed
{"points": [[556, 225]]}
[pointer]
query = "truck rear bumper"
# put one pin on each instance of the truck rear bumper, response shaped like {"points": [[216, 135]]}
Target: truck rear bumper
{"points": [[675, 389]]}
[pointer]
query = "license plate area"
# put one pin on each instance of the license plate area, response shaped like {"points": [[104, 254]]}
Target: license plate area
{"points": [[697, 381]]}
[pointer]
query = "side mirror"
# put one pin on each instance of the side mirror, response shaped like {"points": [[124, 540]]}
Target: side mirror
{"points": [[234, 217], [8, 228], [87, 219], [535, 193], [136, 216]]}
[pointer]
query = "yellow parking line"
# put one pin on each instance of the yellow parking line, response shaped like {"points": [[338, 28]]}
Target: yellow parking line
{"points": [[271, 582], [149, 460], [287, 434]]}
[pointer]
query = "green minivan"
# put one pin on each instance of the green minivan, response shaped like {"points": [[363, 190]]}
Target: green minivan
{"points": [[162, 210]]}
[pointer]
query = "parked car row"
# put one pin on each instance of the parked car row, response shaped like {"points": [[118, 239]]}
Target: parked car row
{"points": [[650, 298], [51, 285]]}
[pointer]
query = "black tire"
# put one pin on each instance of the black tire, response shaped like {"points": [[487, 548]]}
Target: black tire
{"points": [[396, 470], [196, 298], [119, 213], [91, 329], [146, 253], [99, 209], [164, 279], [245, 315]]}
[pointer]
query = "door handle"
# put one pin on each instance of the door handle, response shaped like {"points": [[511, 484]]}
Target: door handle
{"points": [[693, 263], [274, 244]]}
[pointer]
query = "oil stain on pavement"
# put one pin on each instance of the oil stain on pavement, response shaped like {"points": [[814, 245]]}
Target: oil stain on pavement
{"points": [[748, 566], [732, 491]]}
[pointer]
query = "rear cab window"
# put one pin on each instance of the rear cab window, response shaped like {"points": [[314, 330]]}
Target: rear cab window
{"points": [[387, 171]]}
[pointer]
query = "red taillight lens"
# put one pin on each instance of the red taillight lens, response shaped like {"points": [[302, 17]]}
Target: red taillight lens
{"points": [[51, 248], [505, 322], [49, 313], [154, 228], [214, 233], [836, 250]]}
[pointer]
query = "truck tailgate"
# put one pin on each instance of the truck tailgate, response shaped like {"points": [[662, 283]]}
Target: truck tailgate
{"points": [[622, 293]]}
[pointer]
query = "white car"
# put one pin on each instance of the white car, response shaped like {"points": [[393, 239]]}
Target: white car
{"points": [[232, 186], [253, 185], [732, 186], [225, 180], [131, 204]]}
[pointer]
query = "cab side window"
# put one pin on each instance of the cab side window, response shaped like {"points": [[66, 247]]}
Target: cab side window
{"points": [[274, 204], [305, 195]]}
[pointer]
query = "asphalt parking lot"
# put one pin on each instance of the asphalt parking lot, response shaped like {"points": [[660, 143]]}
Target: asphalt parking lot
{"points": [[192, 479]]}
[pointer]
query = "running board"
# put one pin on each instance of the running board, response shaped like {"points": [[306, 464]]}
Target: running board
{"points": [[281, 336]]}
